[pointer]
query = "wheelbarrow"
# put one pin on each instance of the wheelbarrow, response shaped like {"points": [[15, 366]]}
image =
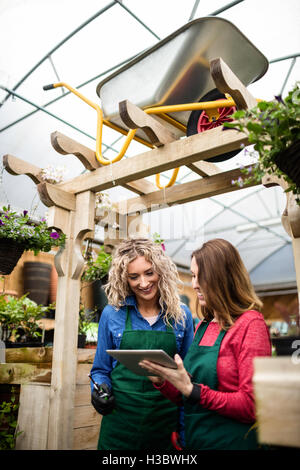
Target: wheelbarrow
{"points": [[172, 82]]}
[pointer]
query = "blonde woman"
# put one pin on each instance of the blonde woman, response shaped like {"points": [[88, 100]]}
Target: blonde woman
{"points": [[215, 380], [143, 312]]}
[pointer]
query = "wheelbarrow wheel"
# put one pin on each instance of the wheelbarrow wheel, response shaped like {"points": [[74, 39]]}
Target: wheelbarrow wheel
{"points": [[199, 122]]}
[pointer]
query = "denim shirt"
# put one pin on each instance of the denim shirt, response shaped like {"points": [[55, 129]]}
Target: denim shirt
{"points": [[110, 331]]}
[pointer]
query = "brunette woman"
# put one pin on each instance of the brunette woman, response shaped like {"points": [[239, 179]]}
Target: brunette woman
{"points": [[144, 312], [214, 382]]}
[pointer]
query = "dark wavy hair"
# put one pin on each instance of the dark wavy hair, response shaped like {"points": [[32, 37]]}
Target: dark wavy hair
{"points": [[224, 282]]}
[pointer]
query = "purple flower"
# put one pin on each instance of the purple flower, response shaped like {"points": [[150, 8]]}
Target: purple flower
{"points": [[279, 99], [54, 235], [1, 222], [163, 247], [25, 212]]}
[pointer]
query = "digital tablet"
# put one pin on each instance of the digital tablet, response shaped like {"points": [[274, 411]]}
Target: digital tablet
{"points": [[130, 358]]}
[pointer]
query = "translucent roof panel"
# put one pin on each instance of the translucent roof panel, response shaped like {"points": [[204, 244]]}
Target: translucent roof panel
{"points": [[59, 40]]}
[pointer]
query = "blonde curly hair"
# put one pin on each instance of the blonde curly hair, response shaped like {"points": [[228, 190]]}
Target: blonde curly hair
{"points": [[117, 288]]}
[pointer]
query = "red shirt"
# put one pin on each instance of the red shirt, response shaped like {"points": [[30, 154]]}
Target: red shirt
{"points": [[247, 338]]}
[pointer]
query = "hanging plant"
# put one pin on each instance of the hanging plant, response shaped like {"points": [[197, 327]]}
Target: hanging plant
{"points": [[53, 175], [19, 233], [274, 130]]}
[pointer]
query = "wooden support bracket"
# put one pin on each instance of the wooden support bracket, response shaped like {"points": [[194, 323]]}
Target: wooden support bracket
{"points": [[136, 118], [83, 224], [66, 146], [291, 215], [227, 82], [52, 195], [16, 166]]}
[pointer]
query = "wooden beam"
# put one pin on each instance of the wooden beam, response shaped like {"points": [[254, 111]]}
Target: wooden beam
{"points": [[183, 193], [136, 118], [44, 355], [28, 355], [227, 82], [204, 168], [66, 146], [20, 373], [181, 152], [141, 186]]}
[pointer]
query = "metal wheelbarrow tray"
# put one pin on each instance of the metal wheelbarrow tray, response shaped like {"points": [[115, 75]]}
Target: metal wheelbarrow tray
{"points": [[177, 69]]}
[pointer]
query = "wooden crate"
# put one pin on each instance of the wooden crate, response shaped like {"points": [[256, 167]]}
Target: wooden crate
{"points": [[277, 397]]}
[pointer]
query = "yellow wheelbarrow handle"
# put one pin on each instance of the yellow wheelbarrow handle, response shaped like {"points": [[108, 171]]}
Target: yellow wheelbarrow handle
{"points": [[100, 122]]}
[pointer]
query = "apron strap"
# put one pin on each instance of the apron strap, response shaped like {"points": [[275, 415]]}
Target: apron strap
{"points": [[201, 330], [128, 325]]}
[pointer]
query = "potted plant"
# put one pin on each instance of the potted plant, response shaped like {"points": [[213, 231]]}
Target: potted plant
{"points": [[86, 317], [286, 344], [96, 272], [19, 233], [19, 321], [274, 129]]}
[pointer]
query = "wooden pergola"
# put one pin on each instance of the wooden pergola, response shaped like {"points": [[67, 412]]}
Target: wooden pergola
{"points": [[72, 210]]}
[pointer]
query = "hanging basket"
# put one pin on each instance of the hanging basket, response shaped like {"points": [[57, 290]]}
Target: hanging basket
{"points": [[289, 162], [10, 253]]}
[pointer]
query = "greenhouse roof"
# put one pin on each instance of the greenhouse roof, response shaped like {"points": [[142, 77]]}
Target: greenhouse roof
{"points": [[59, 40]]}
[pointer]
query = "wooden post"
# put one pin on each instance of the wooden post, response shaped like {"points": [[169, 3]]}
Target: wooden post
{"points": [[69, 263], [290, 220]]}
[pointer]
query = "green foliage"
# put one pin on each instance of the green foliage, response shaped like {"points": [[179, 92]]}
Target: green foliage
{"points": [[97, 268], [86, 317], [8, 423], [37, 237], [272, 127], [19, 318]]}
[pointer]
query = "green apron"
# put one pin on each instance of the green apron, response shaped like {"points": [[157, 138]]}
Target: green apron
{"points": [[142, 419], [207, 429]]}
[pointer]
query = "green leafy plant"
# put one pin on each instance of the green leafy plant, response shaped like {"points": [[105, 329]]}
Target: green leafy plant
{"points": [[86, 317], [35, 236], [19, 318], [8, 423], [272, 127], [97, 267]]}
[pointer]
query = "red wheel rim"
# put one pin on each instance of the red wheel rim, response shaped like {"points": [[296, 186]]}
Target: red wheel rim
{"points": [[205, 124]]}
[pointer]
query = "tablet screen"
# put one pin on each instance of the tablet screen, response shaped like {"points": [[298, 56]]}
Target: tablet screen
{"points": [[130, 358]]}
